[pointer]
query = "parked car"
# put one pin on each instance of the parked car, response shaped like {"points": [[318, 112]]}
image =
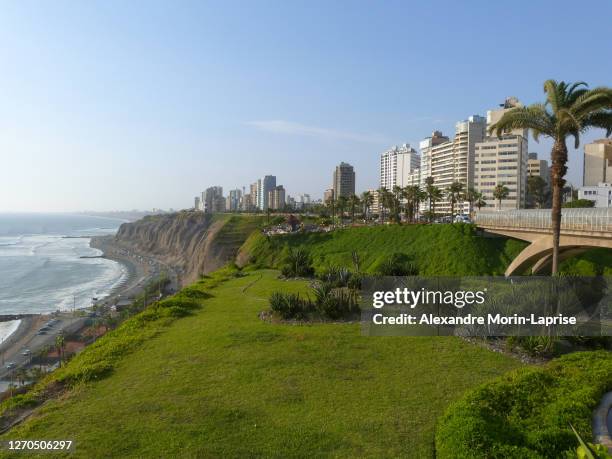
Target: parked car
{"points": [[462, 219]]}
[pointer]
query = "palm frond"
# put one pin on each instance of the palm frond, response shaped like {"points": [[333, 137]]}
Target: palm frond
{"points": [[533, 117], [551, 88], [601, 119]]}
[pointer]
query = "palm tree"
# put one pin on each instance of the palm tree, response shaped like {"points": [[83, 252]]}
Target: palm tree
{"points": [[367, 200], [396, 202], [480, 201], [500, 192], [60, 343], [454, 192], [434, 194], [341, 204], [569, 110], [354, 203], [413, 196], [383, 200], [472, 196]]}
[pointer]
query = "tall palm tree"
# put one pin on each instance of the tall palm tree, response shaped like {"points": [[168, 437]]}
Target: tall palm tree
{"points": [[367, 200], [454, 192], [341, 204], [480, 201], [500, 192], [434, 194], [471, 196], [353, 203], [396, 202], [382, 200], [569, 110]]}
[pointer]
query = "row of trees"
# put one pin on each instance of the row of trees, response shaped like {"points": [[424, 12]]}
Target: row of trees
{"points": [[407, 200]]}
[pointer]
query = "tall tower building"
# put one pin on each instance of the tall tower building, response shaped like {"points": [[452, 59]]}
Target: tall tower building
{"points": [[264, 186], [425, 146], [398, 166], [502, 161], [276, 198], [213, 199], [344, 180], [452, 160], [538, 167], [597, 162]]}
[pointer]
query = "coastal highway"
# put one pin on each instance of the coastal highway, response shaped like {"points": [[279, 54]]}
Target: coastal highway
{"points": [[27, 337]]}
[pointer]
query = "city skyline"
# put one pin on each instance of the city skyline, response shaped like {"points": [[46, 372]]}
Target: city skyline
{"points": [[101, 111]]}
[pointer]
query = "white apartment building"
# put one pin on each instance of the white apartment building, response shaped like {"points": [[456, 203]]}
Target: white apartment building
{"points": [[601, 194], [502, 161], [597, 162], [425, 146], [263, 188], [538, 167], [448, 161], [397, 166]]}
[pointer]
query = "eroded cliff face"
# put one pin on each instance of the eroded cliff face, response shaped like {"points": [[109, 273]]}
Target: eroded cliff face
{"points": [[194, 242]]}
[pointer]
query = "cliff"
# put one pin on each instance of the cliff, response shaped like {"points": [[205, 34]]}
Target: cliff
{"points": [[194, 242]]}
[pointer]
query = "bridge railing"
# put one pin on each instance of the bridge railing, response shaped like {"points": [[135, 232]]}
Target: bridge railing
{"points": [[587, 219]]}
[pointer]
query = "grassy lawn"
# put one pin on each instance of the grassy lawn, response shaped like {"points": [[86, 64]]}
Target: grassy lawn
{"points": [[437, 250], [222, 383]]}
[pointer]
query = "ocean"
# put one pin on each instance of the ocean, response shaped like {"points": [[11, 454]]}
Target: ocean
{"points": [[41, 269]]}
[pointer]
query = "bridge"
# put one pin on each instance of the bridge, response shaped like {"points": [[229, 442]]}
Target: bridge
{"points": [[581, 229]]}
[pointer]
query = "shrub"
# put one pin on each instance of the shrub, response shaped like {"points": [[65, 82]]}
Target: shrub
{"points": [[297, 264], [336, 276], [290, 305], [398, 264], [335, 303], [526, 413]]}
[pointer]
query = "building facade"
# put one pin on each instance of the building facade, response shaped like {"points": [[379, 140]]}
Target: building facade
{"points": [[213, 199], [597, 162], [601, 194], [233, 200], [425, 146], [264, 186], [197, 205], [276, 198], [398, 166], [502, 161], [343, 182], [538, 168], [452, 161]]}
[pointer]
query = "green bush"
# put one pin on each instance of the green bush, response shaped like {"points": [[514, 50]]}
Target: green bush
{"points": [[526, 414], [398, 264], [335, 303], [290, 305], [297, 264]]}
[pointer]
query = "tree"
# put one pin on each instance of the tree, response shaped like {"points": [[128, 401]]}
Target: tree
{"points": [[353, 203], [480, 201], [396, 202], [569, 110], [472, 197], [434, 194], [341, 204], [383, 202], [536, 190], [500, 192], [367, 200], [60, 343], [454, 193]]}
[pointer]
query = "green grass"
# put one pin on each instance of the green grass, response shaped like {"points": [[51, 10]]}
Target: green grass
{"points": [[222, 383], [527, 413], [437, 250]]}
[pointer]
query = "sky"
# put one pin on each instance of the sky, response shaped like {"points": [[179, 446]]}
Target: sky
{"points": [[113, 105]]}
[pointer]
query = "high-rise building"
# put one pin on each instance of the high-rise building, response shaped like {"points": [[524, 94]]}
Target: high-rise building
{"points": [[425, 146], [398, 166], [502, 161], [264, 186], [213, 199], [597, 162], [328, 195], [538, 167], [276, 198], [343, 180], [197, 203], [452, 160], [233, 200]]}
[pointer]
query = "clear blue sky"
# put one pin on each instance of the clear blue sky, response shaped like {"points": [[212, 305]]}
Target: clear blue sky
{"points": [[119, 105]]}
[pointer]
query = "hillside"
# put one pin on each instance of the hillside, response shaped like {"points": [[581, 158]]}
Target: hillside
{"points": [[195, 242], [223, 383], [436, 249]]}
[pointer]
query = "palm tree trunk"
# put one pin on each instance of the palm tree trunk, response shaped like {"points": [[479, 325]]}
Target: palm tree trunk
{"points": [[557, 172]]}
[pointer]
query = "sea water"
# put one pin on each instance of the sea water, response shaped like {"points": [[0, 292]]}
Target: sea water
{"points": [[42, 270]]}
